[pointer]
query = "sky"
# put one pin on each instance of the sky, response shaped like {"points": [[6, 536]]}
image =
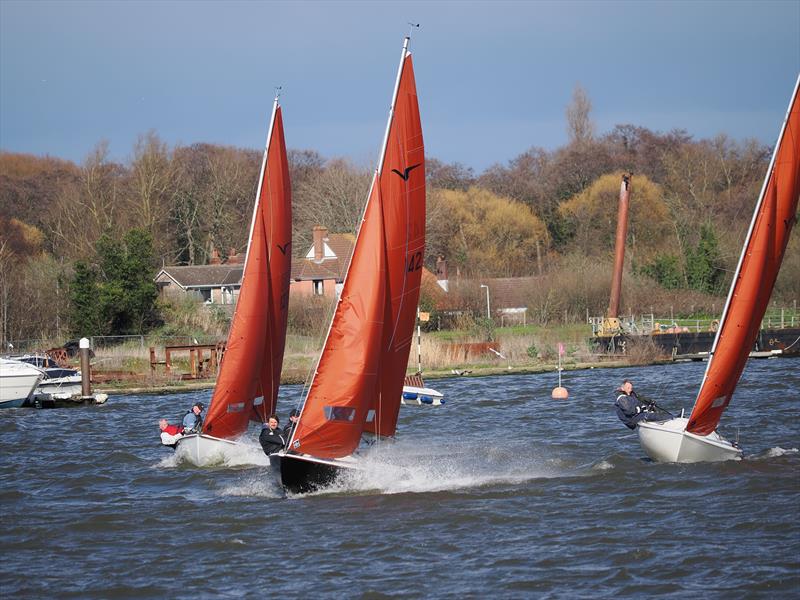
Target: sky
{"points": [[493, 78]]}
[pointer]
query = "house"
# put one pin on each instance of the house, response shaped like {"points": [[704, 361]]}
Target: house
{"points": [[214, 283], [320, 272], [505, 298]]}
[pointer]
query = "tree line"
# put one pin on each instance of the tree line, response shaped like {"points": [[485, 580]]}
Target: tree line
{"points": [[72, 232]]}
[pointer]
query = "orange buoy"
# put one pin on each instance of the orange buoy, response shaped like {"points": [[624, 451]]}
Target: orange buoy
{"points": [[560, 393]]}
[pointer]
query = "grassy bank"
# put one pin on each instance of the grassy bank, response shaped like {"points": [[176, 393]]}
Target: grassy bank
{"points": [[510, 350]]}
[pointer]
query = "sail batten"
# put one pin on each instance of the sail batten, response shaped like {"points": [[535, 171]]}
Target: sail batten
{"points": [[362, 365], [755, 276], [249, 375]]}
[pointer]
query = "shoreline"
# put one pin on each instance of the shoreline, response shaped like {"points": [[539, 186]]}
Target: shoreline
{"points": [[189, 386]]}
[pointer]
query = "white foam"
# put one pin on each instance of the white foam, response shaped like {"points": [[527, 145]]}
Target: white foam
{"points": [[259, 484], [404, 468], [778, 451], [603, 465]]}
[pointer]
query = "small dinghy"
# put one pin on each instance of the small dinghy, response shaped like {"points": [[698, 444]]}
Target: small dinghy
{"points": [[695, 438], [249, 375], [357, 386]]}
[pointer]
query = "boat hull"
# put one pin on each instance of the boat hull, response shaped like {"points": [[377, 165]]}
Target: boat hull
{"points": [[300, 474], [668, 441], [17, 382], [419, 396], [202, 449]]}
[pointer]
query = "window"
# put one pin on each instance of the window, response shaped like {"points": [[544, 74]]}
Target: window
{"points": [[318, 287], [205, 295], [340, 413]]}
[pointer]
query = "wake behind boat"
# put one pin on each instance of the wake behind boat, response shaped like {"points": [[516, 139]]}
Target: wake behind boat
{"points": [[696, 439], [358, 382], [249, 375]]}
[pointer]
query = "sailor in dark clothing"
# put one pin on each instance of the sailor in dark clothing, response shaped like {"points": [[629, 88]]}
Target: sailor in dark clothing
{"points": [[270, 438], [294, 416], [631, 410]]}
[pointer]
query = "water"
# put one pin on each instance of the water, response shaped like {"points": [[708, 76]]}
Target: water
{"points": [[502, 491]]}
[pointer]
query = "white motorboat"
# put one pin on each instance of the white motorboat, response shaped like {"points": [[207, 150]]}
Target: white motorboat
{"points": [[17, 382], [58, 383]]}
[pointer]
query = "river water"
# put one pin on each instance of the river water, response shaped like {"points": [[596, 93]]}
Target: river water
{"points": [[501, 491]]}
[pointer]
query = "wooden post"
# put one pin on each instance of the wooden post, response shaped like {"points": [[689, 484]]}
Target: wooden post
{"points": [[86, 372]]}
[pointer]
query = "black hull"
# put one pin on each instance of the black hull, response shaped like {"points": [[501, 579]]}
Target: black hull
{"points": [[303, 475]]}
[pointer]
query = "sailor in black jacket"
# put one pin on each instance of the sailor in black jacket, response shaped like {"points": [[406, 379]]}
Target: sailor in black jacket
{"points": [[630, 409], [270, 438]]}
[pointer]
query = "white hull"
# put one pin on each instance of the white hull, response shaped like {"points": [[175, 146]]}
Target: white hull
{"points": [[203, 450], [418, 396], [668, 441], [17, 382], [59, 388]]}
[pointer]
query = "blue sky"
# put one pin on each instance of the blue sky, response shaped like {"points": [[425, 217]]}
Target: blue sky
{"points": [[493, 78]]}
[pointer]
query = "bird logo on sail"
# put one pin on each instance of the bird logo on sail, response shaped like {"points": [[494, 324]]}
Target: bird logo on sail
{"points": [[404, 174]]}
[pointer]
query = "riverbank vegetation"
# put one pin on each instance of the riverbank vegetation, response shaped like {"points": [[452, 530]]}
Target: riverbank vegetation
{"points": [[80, 243]]}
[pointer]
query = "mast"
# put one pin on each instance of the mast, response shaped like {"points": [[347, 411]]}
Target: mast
{"points": [[261, 177]]}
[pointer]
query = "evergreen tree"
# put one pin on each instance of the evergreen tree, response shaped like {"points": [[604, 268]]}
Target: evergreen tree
{"points": [[120, 299], [84, 314], [702, 263]]}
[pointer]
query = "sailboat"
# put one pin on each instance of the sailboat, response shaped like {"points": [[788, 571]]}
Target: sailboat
{"points": [[249, 375], [356, 387], [695, 438]]}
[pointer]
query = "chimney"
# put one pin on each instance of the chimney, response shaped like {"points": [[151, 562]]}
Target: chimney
{"points": [[441, 267], [233, 257], [215, 259], [320, 235]]}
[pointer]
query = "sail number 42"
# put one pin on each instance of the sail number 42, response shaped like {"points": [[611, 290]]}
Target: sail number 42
{"points": [[415, 261]]}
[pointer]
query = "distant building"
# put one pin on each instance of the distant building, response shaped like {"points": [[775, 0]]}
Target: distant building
{"points": [[321, 272]]}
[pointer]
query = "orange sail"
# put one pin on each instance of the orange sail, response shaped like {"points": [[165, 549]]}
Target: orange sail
{"points": [[247, 385], [754, 278], [402, 184], [359, 378]]}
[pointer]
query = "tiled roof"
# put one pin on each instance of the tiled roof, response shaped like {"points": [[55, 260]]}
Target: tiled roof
{"points": [[214, 276], [198, 276], [330, 268]]}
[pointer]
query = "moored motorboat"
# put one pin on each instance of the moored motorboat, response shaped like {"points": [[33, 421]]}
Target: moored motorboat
{"points": [[17, 382]]}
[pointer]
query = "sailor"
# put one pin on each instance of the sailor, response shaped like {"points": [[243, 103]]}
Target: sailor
{"points": [[631, 409], [294, 417], [270, 438], [170, 434], [193, 419]]}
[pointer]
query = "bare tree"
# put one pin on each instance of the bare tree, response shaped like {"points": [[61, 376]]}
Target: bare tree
{"points": [[580, 127]]}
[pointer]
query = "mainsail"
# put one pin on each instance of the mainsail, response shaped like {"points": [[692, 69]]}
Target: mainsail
{"points": [[755, 276], [358, 382], [249, 376]]}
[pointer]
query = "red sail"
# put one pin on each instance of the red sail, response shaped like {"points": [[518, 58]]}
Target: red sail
{"points": [[247, 385], [752, 285], [402, 184], [345, 383], [359, 379]]}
